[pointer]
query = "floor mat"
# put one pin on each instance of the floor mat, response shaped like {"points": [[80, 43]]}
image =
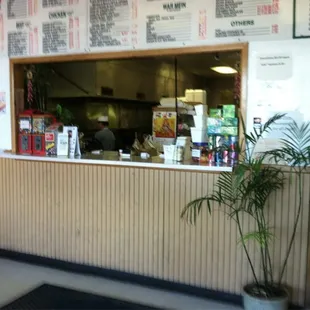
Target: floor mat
{"points": [[54, 297]]}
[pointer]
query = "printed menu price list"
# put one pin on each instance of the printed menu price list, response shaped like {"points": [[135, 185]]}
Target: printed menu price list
{"points": [[17, 9], [246, 8], [17, 43], [168, 28], [55, 37], [109, 23], [53, 3]]}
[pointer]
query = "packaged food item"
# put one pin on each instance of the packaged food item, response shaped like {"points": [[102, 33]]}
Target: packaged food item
{"points": [[51, 136], [215, 113], [214, 126], [197, 149], [229, 111], [230, 122], [229, 131]]}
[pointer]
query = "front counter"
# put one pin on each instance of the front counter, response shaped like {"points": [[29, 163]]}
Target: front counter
{"points": [[125, 216]]}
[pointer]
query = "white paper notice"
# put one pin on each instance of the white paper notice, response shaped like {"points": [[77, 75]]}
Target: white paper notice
{"points": [[163, 23], [2, 103], [274, 67], [110, 23], [302, 18], [251, 19]]}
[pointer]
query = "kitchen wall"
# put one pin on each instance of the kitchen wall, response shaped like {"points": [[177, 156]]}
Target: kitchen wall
{"points": [[151, 77]]}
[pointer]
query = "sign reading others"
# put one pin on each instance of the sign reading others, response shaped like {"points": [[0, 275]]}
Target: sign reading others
{"points": [[274, 67]]}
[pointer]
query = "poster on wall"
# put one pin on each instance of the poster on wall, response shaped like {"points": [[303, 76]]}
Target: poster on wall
{"points": [[301, 19], [110, 24], [252, 20], [172, 23], [2, 103]]}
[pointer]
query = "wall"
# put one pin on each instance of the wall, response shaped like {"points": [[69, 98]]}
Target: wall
{"points": [[152, 77], [5, 117], [283, 88], [220, 91]]}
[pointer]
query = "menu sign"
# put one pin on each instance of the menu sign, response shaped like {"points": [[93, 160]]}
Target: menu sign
{"points": [[302, 19], [109, 23], [247, 18], [164, 22], [63, 26], [20, 9]]}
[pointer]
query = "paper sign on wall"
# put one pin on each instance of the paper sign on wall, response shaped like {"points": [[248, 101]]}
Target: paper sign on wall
{"points": [[2, 103]]}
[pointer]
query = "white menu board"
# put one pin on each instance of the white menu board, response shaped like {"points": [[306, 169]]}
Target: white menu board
{"points": [[252, 19], [110, 23], [172, 23], [63, 26], [46, 27], [302, 19]]}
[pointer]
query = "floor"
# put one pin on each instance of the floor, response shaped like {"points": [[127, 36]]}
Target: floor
{"points": [[18, 278]]}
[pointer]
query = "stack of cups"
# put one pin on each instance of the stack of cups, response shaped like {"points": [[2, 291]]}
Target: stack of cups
{"points": [[199, 132]]}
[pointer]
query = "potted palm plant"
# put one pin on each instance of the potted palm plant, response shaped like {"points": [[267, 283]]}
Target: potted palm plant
{"points": [[246, 190]]}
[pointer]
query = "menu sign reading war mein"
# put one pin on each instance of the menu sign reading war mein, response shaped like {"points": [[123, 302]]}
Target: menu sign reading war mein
{"points": [[163, 22]]}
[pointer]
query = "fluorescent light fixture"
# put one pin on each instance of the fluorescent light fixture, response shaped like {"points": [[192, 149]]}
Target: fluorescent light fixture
{"points": [[224, 70]]}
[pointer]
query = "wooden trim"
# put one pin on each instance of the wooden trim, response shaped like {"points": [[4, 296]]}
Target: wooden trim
{"points": [[12, 102], [242, 47], [132, 54]]}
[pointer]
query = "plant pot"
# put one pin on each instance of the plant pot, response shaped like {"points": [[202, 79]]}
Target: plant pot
{"points": [[253, 301]]}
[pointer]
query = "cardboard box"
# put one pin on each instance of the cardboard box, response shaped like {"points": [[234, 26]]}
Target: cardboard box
{"points": [[51, 136], [230, 122], [229, 111], [215, 113], [229, 131]]}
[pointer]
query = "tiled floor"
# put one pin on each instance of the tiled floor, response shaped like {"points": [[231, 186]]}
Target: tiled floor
{"points": [[17, 278]]}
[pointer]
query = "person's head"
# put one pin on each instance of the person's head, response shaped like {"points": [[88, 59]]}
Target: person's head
{"points": [[103, 122]]}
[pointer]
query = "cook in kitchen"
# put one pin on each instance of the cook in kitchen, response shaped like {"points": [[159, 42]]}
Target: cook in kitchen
{"points": [[105, 136]]}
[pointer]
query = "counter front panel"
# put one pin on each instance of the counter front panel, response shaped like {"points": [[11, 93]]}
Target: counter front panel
{"points": [[128, 219]]}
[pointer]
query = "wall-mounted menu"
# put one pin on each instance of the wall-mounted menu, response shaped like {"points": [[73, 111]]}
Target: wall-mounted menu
{"points": [[302, 19], [109, 23], [21, 9], [172, 22], [251, 19], [54, 27], [64, 26]]}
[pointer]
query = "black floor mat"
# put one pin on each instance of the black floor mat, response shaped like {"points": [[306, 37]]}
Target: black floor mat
{"points": [[53, 297]]}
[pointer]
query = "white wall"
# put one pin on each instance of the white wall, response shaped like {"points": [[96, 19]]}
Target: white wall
{"points": [[5, 118], [282, 88]]}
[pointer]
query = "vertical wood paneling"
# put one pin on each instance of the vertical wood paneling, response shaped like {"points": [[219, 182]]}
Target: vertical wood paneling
{"points": [[128, 219]]}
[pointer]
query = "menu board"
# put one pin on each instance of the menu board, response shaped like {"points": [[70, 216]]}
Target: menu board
{"points": [[46, 27], [110, 23], [302, 19], [63, 26], [250, 19], [172, 22]]}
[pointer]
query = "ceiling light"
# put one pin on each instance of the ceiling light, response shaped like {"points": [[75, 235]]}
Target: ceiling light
{"points": [[224, 70]]}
